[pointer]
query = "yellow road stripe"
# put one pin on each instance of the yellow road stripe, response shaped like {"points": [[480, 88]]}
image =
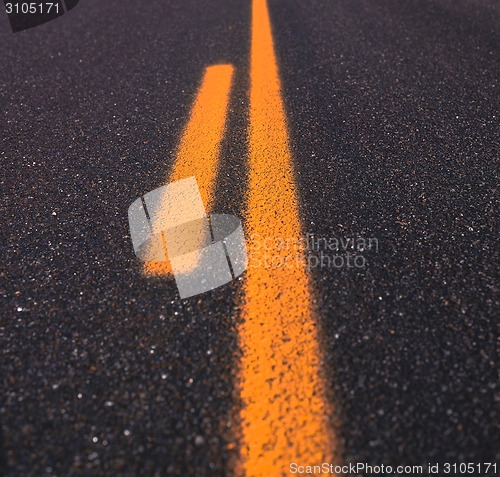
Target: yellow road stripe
{"points": [[283, 418], [199, 148]]}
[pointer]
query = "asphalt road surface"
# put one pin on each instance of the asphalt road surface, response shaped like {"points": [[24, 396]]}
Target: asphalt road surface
{"points": [[385, 127]]}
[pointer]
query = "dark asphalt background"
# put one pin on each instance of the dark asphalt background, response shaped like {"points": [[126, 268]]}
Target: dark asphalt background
{"points": [[393, 112]]}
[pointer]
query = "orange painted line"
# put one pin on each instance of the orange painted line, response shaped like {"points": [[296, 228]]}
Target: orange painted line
{"points": [[199, 147], [284, 408]]}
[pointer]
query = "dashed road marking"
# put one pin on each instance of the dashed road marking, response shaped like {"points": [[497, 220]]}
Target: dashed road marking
{"points": [[199, 148]]}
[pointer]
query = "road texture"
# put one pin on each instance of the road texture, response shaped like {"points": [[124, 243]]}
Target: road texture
{"points": [[345, 119]]}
